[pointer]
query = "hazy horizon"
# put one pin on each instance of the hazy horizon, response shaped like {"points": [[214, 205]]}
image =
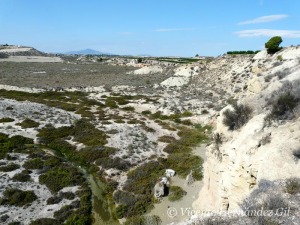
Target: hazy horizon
{"points": [[168, 28]]}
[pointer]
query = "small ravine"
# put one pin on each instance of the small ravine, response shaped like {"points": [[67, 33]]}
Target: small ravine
{"points": [[101, 210]]}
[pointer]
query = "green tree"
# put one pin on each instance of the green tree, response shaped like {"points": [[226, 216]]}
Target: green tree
{"points": [[272, 45]]}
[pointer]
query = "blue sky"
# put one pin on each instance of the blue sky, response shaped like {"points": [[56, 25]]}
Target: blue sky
{"points": [[156, 27]]}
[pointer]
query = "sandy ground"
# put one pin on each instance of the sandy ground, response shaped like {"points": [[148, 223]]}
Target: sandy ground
{"points": [[38, 59], [170, 212]]}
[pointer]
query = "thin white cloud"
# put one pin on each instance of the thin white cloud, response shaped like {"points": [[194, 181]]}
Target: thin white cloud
{"points": [[264, 19], [173, 29], [269, 33]]}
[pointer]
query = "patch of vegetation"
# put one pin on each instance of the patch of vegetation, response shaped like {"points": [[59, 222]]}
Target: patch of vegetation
{"points": [[143, 220], [28, 123], [282, 107], [166, 139], [21, 177], [86, 133], [128, 108], [176, 193], [61, 176], [7, 144], [6, 120], [293, 186], [176, 117], [17, 197], [272, 45], [139, 196], [250, 52], [45, 221], [146, 112], [34, 164], [188, 138], [54, 200], [10, 167], [237, 117], [116, 162], [183, 163]]}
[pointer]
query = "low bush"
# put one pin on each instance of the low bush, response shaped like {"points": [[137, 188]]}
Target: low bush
{"points": [[54, 200], [10, 167], [17, 197], [176, 193], [45, 221], [293, 186], [59, 177], [116, 162], [21, 177], [183, 163], [128, 108], [86, 133], [64, 213], [34, 164], [146, 112], [238, 117], [28, 123], [6, 120], [166, 139], [143, 220]]}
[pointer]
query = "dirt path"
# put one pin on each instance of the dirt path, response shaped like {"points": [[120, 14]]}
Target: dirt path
{"points": [[178, 211]]}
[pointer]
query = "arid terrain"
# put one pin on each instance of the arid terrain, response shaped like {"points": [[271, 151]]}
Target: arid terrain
{"points": [[90, 139]]}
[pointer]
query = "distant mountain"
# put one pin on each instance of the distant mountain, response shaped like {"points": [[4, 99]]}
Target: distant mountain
{"points": [[87, 52]]}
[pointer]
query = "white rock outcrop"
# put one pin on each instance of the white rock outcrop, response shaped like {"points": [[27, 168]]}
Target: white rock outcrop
{"points": [[254, 152]]}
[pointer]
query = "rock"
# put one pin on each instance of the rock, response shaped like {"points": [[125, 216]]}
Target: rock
{"points": [[189, 178], [159, 189], [170, 173], [255, 85]]}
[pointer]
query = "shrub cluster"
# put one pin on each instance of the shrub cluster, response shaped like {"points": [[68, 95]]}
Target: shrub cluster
{"points": [[17, 197], [237, 117], [28, 123], [6, 120], [176, 193], [293, 186], [250, 52]]}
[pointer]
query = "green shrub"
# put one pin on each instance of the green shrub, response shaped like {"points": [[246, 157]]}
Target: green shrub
{"points": [[283, 106], [128, 108], [21, 177], [120, 211], [293, 186], [116, 162], [143, 220], [146, 112], [166, 139], [183, 163], [64, 213], [59, 177], [87, 134], [54, 200], [6, 120], [111, 104], [176, 193], [272, 45], [237, 117], [279, 57], [34, 164], [45, 221], [28, 123], [10, 167], [17, 197]]}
